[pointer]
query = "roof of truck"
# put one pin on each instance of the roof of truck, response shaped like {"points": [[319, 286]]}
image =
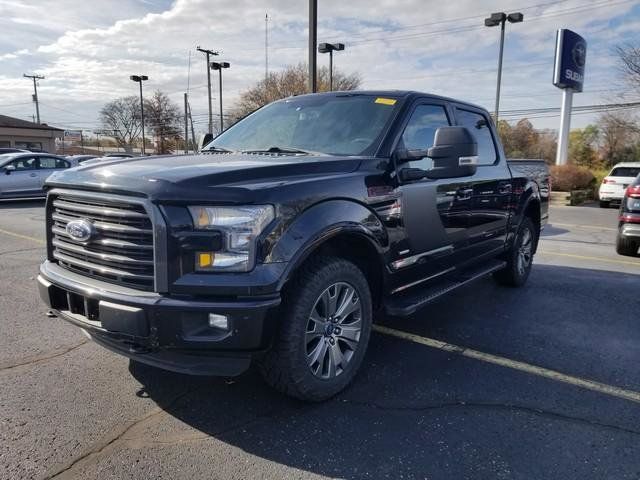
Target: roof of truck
{"points": [[397, 94]]}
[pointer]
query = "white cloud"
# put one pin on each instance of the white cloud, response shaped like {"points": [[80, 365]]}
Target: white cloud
{"points": [[87, 50]]}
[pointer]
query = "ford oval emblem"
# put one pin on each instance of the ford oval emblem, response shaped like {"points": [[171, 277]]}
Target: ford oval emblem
{"points": [[80, 230]]}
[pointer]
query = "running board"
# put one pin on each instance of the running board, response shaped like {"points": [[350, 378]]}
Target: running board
{"points": [[406, 303]]}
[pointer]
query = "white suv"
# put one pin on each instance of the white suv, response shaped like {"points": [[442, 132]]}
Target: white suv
{"points": [[619, 178]]}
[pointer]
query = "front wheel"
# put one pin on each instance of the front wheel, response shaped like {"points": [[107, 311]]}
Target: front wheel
{"points": [[519, 257], [323, 332]]}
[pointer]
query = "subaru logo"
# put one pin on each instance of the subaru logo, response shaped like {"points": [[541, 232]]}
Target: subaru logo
{"points": [[579, 54], [80, 230]]}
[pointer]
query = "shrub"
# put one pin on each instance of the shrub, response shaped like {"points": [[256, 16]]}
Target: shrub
{"points": [[565, 178]]}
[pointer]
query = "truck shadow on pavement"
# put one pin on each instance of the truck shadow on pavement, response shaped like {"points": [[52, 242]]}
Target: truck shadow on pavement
{"points": [[418, 412]]}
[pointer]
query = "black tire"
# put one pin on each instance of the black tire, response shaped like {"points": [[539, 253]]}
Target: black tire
{"points": [[604, 204], [515, 274], [626, 247], [287, 366]]}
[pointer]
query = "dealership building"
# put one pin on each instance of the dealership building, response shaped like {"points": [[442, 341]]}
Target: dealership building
{"points": [[18, 133]]}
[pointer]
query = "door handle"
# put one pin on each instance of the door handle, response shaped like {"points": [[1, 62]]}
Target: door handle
{"points": [[504, 188], [465, 194]]}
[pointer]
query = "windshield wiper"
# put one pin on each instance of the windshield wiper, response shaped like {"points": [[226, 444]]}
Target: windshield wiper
{"points": [[283, 150], [213, 148]]}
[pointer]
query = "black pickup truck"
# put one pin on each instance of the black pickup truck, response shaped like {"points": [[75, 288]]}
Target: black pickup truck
{"points": [[281, 239]]}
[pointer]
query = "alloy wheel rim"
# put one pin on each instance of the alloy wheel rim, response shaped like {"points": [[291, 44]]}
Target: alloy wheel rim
{"points": [[333, 330], [525, 250]]}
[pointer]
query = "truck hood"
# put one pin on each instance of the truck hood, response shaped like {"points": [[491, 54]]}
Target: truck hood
{"points": [[231, 176]]}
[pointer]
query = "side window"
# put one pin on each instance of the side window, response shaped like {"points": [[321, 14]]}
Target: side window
{"points": [[25, 163], [47, 163], [478, 124], [421, 130]]}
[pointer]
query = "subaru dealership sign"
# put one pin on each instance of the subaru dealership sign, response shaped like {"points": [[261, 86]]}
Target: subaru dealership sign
{"points": [[571, 56]]}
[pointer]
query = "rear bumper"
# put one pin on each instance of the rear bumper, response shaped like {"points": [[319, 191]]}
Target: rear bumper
{"points": [[630, 230], [167, 332]]}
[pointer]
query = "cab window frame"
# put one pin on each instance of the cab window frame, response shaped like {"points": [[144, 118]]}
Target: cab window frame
{"points": [[433, 102], [487, 118]]}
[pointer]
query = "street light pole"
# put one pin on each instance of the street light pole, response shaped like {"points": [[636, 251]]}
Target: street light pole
{"points": [[208, 53], [329, 48], [219, 66], [139, 79], [313, 39], [494, 20]]}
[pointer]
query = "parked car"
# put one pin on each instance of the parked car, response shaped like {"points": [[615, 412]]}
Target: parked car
{"points": [[23, 174], [628, 238], [614, 185], [277, 242], [4, 150], [79, 159]]}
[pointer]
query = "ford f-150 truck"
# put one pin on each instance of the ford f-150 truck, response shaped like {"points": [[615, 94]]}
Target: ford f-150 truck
{"points": [[281, 239]]}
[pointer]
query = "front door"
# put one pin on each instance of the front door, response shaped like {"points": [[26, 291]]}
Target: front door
{"points": [[434, 212], [23, 180]]}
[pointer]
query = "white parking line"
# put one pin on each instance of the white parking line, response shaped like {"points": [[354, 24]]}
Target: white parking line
{"points": [[586, 257], [590, 227], [516, 365]]}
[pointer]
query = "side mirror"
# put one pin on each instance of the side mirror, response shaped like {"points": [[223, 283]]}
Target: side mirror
{"points": [[206, 140], [9, 168], [454, 153]]}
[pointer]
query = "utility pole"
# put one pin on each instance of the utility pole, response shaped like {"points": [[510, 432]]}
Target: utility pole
{"points": [[208, 53], [313, 39], [35, 91], [266, 47], [186, 125]]}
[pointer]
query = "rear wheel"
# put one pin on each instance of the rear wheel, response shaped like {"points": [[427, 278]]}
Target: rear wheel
{"points": [[604, 204], [323, 332], [626, 247], [519, 257]]}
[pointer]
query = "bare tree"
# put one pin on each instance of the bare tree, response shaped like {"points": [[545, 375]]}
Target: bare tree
{"points": [[629, 56], [122, 117], [619, 135], [164, 120], [290, 81]]}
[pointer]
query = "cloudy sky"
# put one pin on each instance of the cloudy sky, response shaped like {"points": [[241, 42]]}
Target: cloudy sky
{"points": [[87, 49]]}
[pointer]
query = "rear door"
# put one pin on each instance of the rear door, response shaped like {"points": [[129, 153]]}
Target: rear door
{"points": [[491, 186], [434, 212], [49, 165], [23, 181]]}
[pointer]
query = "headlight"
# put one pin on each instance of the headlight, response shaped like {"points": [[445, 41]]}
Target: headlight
{"points": [[240, 227]]}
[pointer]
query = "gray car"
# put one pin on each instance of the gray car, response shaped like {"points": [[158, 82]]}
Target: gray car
{"points": [[22, 175]]}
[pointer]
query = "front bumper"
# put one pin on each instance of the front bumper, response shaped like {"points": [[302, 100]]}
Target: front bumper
{"points": [[168, 332]]}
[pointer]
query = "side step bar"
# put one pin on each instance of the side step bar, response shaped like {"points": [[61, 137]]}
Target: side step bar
{"points": [[406, 303]]}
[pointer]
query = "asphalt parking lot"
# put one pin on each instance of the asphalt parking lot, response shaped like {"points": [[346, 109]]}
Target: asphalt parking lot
{"points": [[490, 382]]}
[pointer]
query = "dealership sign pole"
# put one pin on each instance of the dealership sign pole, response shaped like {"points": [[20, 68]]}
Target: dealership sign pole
{"points": [[568, 74]]}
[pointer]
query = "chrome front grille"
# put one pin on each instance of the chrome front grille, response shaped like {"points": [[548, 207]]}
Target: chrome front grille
{"points": [[120, 251]]}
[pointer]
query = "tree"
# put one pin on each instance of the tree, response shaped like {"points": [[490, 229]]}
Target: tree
{"points": [[583, 146], [164, 119], [629, 56], [524, 141], [619, 137], [121, 117], [290, 81]]}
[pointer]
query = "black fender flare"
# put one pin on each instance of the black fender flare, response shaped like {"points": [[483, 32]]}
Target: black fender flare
{"points": [[322, 222]]}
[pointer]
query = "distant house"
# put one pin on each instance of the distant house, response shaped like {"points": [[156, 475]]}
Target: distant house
{"points": [[18, 133]]}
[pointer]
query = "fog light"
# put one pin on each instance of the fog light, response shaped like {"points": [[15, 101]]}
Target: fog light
{"points": [[218, 321], [205, 259]]}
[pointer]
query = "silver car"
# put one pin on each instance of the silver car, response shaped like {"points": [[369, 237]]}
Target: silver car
{"points": [[22, 175]]}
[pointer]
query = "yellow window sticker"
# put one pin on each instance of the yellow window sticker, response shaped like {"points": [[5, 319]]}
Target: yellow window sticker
{"points": [[386, 101]]}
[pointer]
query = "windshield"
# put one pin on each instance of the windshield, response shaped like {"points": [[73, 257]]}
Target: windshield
{"points": [[343, 124]]}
